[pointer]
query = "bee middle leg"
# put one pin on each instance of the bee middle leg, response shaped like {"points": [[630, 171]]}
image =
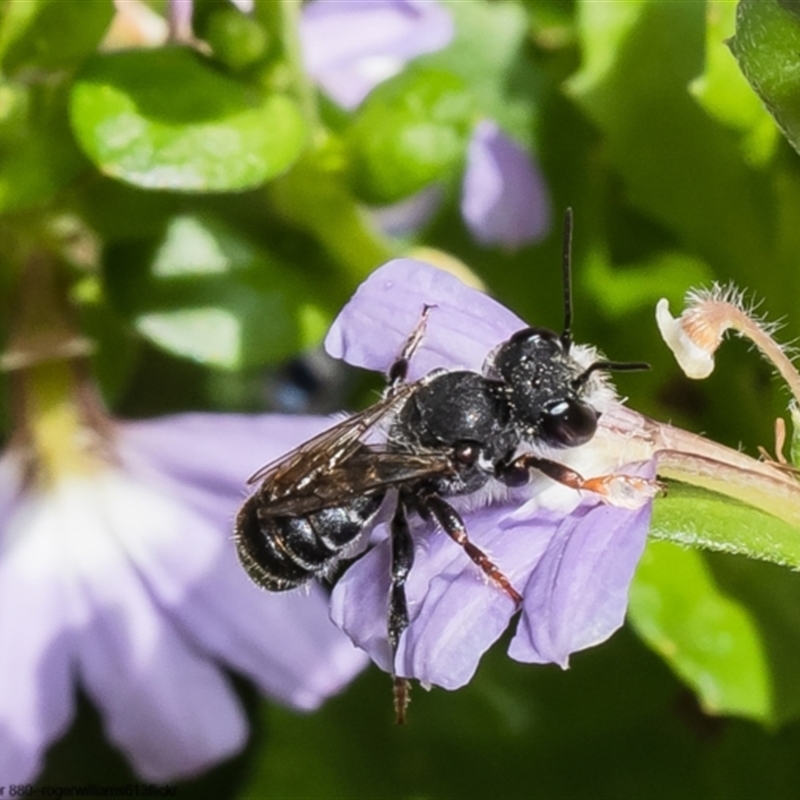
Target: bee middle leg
{"points": [[451, 523]]}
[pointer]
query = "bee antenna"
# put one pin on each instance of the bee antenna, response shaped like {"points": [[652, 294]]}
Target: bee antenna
{"points": [[611, 366], [566, 273]]}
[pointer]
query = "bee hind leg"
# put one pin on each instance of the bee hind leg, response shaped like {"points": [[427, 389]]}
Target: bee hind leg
{"points": [[402, 561]]}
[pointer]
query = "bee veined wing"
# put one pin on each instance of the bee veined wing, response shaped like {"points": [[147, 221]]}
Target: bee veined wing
{"points": [[323, 453]]}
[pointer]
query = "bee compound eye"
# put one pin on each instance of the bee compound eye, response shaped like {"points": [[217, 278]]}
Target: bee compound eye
{"points": [[533, 335], [568, 423]]}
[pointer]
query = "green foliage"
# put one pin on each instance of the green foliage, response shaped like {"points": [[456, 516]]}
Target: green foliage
{"points": [[766, 45], [162, 119], [204, 292], [237, 40], [44, 35], [712, 641], [411, 132]]}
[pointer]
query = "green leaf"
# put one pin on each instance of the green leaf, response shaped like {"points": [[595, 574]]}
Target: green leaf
{"points": [[239, 41], [771, 596], [622, 291], [488, 54], [206, 293], [723, 91], [411, 131], [38, 156], [696, 517], [164, 119], [51, 34], [678, 165], [767, 48], [708, 638]]}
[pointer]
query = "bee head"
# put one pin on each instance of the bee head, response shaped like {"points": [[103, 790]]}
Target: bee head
{"points": [[546, 388]]}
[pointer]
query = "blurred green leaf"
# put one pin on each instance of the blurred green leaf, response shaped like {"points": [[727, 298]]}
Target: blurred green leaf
{"points": [[165, 119], [410, 132], [50, 34], [38, 156], [723, 91], [622, 291], [238, 40], [709, 639], [315, 197], [677, 163], [207, 293], [767, 48], [771, 596], [488, 54]]}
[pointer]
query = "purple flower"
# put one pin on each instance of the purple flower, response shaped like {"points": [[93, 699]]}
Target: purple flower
{"points": [[504, 199], [571, 556], [118, 573], [351, 46]]}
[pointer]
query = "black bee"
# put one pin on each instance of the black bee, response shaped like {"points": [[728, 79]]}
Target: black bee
{"points": [[449, 434]]}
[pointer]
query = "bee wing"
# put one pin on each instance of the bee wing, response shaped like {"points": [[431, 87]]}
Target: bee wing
{"points": [[301, 467], [367, 470]]}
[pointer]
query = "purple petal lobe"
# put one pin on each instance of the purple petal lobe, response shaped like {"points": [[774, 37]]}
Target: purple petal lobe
{"points": [[455, 612], [36, 651], [284, 642], [463, 326], [173, 713], [166, 705], [350, 46], [212, 454], [408, 215], [573, 569], [577, 594], [504, 197]]}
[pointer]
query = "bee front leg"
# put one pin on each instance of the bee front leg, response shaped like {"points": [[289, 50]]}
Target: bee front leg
{"points": [[402, 561], [624, 491], [399, 369]]}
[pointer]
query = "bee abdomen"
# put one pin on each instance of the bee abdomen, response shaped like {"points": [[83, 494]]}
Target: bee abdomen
{"points": [[281, 553]]}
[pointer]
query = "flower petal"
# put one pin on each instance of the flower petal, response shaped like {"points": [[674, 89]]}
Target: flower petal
{"points": [[165, 705], [577, 594], [463, 326], [36, 649], [410, 214], [284, 642], [173, 713], [504, 197], [572, 562], [350, 46], [212, 454], [455, 613]]}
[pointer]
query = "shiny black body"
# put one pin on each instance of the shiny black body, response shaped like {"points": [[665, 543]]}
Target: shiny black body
{"points": [[449, 434]]}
